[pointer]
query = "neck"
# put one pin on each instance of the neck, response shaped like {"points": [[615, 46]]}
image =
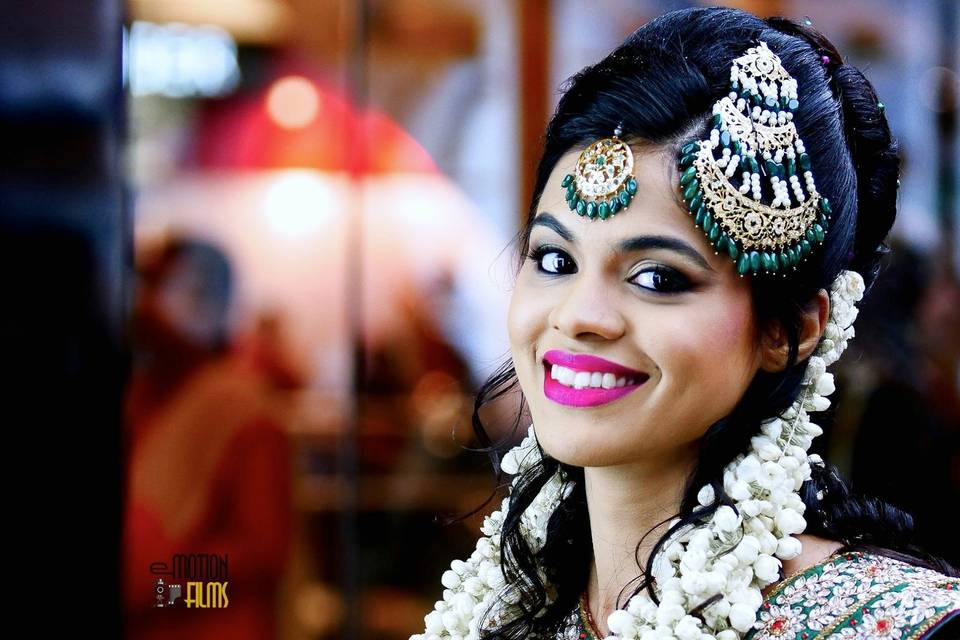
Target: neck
{"points": [[626, 503]]}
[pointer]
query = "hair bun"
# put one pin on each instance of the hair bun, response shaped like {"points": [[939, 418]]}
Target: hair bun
{"points": [[876, 159]]}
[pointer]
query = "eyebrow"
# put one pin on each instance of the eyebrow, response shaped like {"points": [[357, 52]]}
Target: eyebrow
{"points": [[638, 243]]}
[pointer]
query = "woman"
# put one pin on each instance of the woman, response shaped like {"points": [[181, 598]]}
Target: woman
{"points": [[711, 203]]}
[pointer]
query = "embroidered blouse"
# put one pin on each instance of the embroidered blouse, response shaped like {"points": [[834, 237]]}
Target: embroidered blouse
{"points": [[851, 595]]}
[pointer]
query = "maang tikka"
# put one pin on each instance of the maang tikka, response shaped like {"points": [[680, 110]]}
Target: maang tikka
{"points": [[602, 183], [753, 131]]}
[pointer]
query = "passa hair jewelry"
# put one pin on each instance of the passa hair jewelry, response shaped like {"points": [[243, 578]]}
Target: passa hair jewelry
{"points": [[603, 183], [743, 184], [724, 559]]}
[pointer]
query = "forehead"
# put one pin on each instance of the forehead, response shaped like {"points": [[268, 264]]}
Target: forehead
{"points": [[656, 208]]}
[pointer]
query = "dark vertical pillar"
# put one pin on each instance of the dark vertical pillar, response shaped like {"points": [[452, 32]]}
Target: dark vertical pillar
{"points": [[64, 253], [533, 47], [349, 453], [948, 106]]}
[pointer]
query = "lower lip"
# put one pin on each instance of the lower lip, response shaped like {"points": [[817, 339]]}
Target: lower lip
{"points": [[586, 397]]}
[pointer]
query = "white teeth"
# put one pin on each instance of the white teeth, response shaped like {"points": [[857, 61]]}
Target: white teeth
{"points": [[582, 379]]}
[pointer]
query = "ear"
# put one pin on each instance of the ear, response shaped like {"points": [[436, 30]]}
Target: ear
{"points": [[774, 346]]}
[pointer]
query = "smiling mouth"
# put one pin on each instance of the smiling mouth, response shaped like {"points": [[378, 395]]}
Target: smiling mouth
{"points": [[581, 390]]}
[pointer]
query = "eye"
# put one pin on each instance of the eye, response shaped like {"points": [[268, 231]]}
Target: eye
{"points": [[662, 279], [557, 261]]}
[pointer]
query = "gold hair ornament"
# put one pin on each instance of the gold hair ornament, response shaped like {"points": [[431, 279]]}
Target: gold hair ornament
{"points": [[753, 132], [602, 183]]}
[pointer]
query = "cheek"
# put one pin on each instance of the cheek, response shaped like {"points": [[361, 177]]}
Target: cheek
{"points": [[712, 354], [525, 318]]}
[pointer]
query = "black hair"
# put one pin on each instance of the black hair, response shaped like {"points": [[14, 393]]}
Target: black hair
{"points": [[660, 86]]}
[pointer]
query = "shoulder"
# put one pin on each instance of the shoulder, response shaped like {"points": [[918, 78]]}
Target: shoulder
{"points": [[860, 594]]}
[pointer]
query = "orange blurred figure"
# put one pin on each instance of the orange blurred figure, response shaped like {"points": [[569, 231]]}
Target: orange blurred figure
{"points": [[208, 463]]}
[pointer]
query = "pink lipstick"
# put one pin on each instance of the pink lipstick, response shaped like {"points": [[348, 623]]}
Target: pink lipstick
{"points": [[587, 396]]}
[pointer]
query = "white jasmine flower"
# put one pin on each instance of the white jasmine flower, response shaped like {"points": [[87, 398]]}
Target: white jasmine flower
{"points": [[767, 568], [706, 495]]}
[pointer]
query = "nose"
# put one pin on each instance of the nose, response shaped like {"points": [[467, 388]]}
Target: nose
{"points": [[588, 307]]}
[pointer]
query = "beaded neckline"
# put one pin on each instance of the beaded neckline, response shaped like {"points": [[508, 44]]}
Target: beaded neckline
{"points": [[780, 586], [588, 628]]}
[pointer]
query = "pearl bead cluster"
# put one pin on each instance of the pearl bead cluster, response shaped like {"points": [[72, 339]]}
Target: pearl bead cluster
{"points": [[752, 134], [783, 94], [736, 554]]}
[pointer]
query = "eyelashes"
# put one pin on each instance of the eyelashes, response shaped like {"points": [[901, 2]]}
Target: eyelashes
{"points": [[659, 278]]}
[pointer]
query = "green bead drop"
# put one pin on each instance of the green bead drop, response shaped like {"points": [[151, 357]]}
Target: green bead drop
{"points": [[632, 186], [697, 200], [699, 216], [614, 205], [581, 207], [755, 261], [743, 264], [591, 209], [603, 210], [732, 250], [818, 232], [691, 189], [624, 199], [687, 176], [567, 180]]}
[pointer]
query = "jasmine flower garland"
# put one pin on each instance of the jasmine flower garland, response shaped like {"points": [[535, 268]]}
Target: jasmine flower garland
{"points": [[689, 568]]}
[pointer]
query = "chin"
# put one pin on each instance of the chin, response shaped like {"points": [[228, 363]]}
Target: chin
{"points": [[578, 442]]}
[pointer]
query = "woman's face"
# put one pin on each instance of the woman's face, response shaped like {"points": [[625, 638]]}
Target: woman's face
{"points": [[665, 305]]}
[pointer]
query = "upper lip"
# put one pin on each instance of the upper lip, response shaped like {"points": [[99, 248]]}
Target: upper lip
{"points": [[586, 362]]}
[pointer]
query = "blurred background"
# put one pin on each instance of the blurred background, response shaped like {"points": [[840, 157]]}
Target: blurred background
{"points": [[261, 255]]}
